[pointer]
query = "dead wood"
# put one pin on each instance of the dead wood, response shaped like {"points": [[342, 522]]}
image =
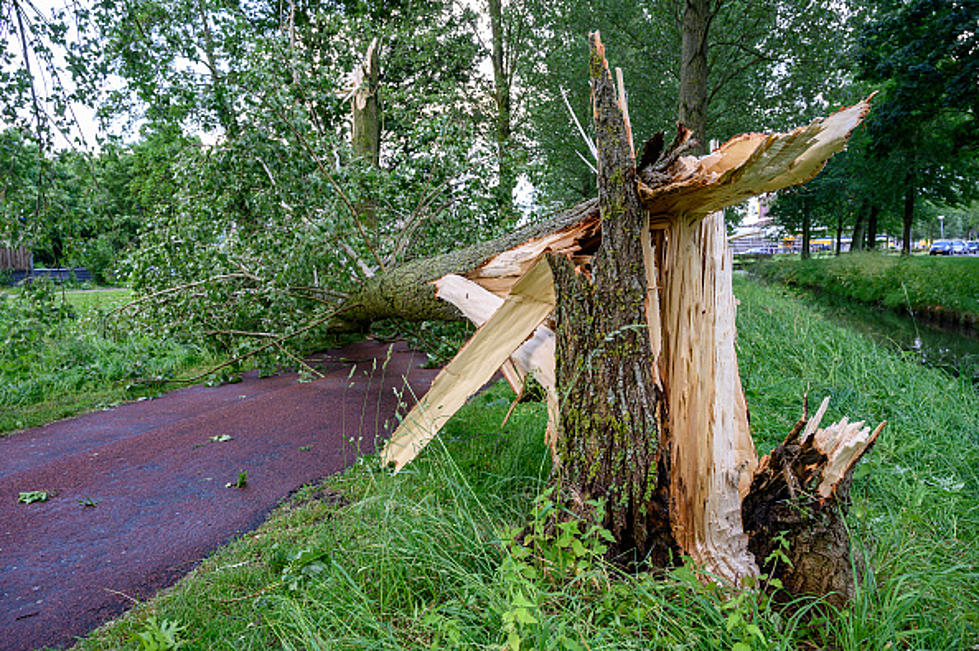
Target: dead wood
{"points": [[638, 359], [794, 512]]}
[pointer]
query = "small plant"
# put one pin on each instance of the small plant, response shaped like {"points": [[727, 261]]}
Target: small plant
{"points": [[159, 635], [241, 482], [554, 546], [88, 502], [305, 448], [29, 497], [221, 438]]}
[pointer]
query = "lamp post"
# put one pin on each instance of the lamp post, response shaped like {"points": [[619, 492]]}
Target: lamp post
{"points": [[941, 226]]}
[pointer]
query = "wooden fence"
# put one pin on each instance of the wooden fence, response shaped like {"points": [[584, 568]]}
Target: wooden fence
{"points": [[17, 259]]}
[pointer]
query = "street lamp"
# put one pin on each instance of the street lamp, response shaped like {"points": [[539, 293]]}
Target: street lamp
{"points": [[941, 225]]}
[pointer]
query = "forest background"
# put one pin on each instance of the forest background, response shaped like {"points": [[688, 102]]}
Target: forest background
{"points": [[224, 159]]}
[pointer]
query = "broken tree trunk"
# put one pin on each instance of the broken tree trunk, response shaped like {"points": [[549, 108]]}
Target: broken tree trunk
{"points": [[623, 310], [800, 494], [608, 445]]}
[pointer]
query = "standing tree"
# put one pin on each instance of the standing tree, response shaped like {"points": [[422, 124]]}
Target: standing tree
{"points": [[923, 52]]}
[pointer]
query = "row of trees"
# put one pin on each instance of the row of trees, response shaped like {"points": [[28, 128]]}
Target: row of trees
{"points": [[919, 156], [284, 195]]}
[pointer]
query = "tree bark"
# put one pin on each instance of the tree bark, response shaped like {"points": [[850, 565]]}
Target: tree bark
{"points": [[839, 235], [406, 292], [856, 241], [806, 227], [365, 137], [794, 512], [608, 445], [693, 69], [502, 99], [910, 188], [872, 226]]}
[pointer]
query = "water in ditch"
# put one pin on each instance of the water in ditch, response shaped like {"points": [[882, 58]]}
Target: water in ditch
{"points": [[954, 350]]}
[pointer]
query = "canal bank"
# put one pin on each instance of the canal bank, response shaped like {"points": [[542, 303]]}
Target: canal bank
{"points": [[946, 345], [944, 290]]}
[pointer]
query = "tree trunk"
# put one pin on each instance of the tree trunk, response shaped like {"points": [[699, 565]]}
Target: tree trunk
{"points": [[910, 188], [856, 241], [622, 308], [501, 97], [795, 529], [839, 235], [806, 227], [608, 445], [365, 137], [872, 226], [693, 69]]}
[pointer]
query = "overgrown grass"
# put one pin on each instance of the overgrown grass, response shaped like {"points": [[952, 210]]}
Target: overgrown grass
{"points": [[58, 357], [368, 560], [939, 285]]}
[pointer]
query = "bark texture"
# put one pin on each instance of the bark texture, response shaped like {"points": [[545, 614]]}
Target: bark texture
{"points": [[365, 138], [608, 439], [406, 292], [693, 68], [796, 507]]}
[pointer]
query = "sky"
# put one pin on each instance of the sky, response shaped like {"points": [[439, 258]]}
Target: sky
{"points": [[85, 127]]}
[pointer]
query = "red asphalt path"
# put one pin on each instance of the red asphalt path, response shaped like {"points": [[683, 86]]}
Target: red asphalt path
{"points": [[159, 483]]}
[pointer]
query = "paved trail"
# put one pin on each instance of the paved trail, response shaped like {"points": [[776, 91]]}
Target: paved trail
{"points": [[159, 483]]}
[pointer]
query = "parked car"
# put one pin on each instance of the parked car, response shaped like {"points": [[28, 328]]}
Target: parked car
{"points": [[959, 247], [972, 246], [941, 247]]}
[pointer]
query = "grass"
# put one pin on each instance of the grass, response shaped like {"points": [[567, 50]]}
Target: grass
{"points": [[368, 560], [946, 287], [58, 357]]}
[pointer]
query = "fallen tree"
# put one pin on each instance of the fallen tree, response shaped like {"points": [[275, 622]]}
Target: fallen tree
{"points": [[622, 308]]}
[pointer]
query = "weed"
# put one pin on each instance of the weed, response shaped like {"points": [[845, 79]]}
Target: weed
{"points": [[29, 497], [88, 502], [159, 635], [241, 482]]}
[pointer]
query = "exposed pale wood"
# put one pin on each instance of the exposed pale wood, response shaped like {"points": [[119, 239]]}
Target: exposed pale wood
{"points": [[801, 493], [751, 164], [843, 443], [712, 455], [499, 273], [534, 357], [530, 302]]}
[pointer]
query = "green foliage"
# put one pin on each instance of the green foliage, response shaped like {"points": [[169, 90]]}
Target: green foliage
{"points": [[240, 482], [921, 54], [159, 635], [914, 283], [29, 497], [58, 355]]}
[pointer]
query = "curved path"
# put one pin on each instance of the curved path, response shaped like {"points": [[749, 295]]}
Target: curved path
{"points": [[159, 483]]}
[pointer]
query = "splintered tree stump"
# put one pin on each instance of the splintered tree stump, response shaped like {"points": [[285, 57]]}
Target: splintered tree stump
{"points": [[801, 493], [622, 308]]}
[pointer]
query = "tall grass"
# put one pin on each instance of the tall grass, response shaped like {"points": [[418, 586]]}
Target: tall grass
{"points": [[905, 282], [59, 357], [422, 559]]}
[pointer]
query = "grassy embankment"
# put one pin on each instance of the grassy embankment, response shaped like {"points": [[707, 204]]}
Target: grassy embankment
{"points": [[944, 288], [374, 561], [57, 359]]}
